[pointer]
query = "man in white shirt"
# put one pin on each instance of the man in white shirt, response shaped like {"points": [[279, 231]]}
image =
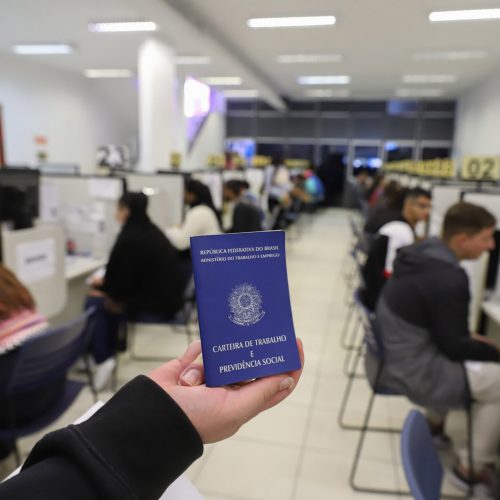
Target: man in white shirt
{"points": [[390, 238]]}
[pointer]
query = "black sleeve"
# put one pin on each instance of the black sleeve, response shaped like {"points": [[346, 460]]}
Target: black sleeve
{"points": [[132, 448], [123, 270], [240, 222], [450, 325]]}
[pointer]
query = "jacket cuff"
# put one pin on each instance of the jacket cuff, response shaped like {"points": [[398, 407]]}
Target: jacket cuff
{"points": [[140, 440]]}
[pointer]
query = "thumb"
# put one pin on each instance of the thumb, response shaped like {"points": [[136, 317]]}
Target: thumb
{"points": [[263, 394]]}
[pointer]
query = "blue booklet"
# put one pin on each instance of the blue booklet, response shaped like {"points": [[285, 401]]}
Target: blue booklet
{"points": [[244, 310]]}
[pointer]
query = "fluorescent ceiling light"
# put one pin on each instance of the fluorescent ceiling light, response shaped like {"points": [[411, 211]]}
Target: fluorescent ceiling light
{"points": [[324, 80], [450, 55], [464, 15], [327, 93], [241, 94], [223, 80], [191, 60], [308, 58], [290, 22], [108, 73], [120, 27], [43, 49], [419, 92], [429, 78]]}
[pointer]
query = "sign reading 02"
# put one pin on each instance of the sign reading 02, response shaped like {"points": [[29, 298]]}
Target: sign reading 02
{"points": [[480, 168]]}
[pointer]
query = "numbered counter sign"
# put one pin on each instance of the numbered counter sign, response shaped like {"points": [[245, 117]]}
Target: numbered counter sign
{"points": [[481, 168]]}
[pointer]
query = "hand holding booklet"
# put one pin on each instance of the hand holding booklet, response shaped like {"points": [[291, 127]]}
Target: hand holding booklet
{"points": [[244, 310]]}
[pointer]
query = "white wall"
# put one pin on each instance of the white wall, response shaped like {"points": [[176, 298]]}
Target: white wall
{"points": [[210, 140], [477, 124], [75, 114]]}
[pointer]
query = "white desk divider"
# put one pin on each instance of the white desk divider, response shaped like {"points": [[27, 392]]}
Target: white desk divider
{"points": [[214, 182], [85, 208], [36, 256], [443, 197], [166, 196]]}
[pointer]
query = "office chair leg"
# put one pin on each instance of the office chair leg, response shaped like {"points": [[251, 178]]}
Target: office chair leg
{"points": [[357, 456], [470, 448], [353, 345], [90, 377], [345, 398], [347, 324]]}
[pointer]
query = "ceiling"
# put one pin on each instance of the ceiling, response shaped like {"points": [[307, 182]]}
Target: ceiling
{"points": [[377, 40]]}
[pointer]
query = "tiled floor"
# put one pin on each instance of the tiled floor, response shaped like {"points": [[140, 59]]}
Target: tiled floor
{"points": [[296, 451]]}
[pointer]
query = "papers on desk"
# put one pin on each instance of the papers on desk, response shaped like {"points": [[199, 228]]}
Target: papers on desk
{"points": [[105, 188], [49, 203]]}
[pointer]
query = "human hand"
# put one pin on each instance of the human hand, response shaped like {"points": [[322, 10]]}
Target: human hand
{"points": [[218, 412], [97, 281]]}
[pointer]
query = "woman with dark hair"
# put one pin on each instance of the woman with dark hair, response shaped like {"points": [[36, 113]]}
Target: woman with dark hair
{"points": [[143, 278], [201, 219]]}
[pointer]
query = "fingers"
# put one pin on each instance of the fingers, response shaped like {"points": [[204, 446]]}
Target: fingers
{"points": [[170, 372], [193, 374], [267, 392], [192, 352]]}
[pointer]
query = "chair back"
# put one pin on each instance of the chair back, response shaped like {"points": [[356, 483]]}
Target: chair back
{"points": [[371, 330], [421, 464], [48, 357]]}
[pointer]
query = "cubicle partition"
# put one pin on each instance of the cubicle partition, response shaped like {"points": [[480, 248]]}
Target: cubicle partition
{"points": [[166, 196], [84, 206], [36, 256]]}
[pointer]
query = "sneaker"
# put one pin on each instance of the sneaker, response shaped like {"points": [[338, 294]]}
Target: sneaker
{"points": [[442, 441], [484, 484], [102, 373]]}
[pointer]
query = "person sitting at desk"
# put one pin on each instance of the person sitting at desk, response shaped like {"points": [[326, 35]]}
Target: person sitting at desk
{"points": [[201, 219], [392, 236], [430, 355], [19, 321], [145, 436], [143, 277], [246, 217]]}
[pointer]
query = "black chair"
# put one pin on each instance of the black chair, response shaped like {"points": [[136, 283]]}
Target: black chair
{"points": [[183, 319], [373, 344], [39, 363]]}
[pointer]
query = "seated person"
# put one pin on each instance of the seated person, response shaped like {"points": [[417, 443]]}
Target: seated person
{"points": [[201, 219], [430, 356], [375, 191], [247, 196], [389, 239], [19, 321], [143, 277], [145, 436], [245, 217], [387, 208]]}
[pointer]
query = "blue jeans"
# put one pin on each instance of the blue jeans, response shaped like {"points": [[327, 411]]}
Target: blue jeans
{"points": [[103, 344]]}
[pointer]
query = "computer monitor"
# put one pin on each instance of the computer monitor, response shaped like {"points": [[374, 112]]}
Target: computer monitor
{"points": [[19, 196]]}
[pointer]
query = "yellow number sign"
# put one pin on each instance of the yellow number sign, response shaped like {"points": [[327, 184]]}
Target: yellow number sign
{"points": [[480, 168]]}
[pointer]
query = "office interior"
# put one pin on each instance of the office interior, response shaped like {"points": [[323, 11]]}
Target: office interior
{"points": [[189, 93]]}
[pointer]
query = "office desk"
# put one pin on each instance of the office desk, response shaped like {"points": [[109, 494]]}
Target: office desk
{"points": [[492, 310], [78, 269], [78, 266]]}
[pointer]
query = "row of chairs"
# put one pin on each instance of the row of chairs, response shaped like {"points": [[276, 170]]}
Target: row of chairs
{"points": [[361, 335]]}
